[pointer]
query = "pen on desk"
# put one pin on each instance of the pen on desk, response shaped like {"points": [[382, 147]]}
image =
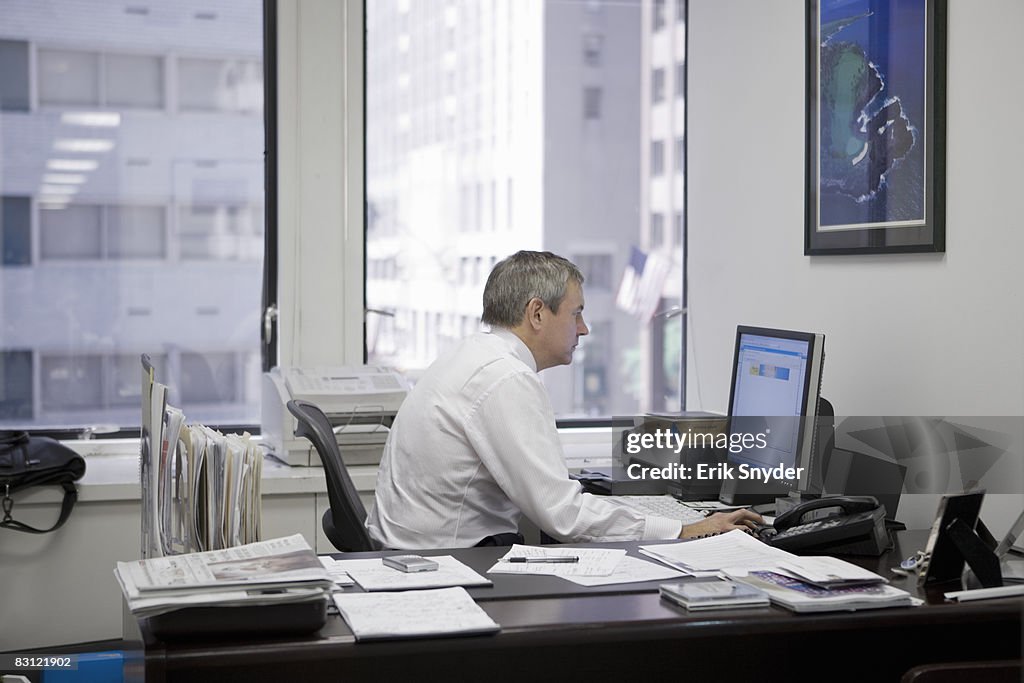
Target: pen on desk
{"points": [[558, 559]]}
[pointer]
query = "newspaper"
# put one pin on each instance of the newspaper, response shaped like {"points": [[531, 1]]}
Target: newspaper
{"points": [[279, 570]]}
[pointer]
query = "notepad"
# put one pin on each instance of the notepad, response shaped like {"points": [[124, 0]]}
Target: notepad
{"points": [[414, 614], [373, 575], [589, 561]]}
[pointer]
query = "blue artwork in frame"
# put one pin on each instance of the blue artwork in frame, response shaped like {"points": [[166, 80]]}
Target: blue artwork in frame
{"points": [[875, 126]]}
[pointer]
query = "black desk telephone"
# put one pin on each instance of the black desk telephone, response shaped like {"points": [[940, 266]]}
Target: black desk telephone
{"points": [[858, 528]]}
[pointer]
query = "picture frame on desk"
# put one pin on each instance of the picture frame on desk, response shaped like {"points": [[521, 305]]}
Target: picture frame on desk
{"points": [[875, 127]]}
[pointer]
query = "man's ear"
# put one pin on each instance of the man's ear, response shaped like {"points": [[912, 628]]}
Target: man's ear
{"points": [[534, 309]]}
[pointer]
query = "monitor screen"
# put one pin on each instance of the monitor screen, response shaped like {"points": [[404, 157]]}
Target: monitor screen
{"points": [[775, 389]]}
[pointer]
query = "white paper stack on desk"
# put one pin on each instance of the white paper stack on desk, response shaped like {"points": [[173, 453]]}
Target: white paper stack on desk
{"points": [[414, 614], [802, 584], [278, 571]]}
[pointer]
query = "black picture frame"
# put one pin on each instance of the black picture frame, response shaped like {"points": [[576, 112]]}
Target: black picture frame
{"points": [[879, 75]]}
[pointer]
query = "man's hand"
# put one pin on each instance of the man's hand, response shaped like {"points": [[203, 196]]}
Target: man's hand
{"points": [[720, 522]]}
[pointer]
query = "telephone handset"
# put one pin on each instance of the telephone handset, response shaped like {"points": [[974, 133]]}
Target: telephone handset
{"points": [[858, 528]]}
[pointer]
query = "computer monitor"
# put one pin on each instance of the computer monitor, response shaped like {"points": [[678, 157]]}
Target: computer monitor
{"points": [[776, 385]]}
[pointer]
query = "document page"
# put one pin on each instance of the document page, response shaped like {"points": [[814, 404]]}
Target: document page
{"points": [[630, 570], [373, 575], [555, 561], [734, 550], [438, 612]]}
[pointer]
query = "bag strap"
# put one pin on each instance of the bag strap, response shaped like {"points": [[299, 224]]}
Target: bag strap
{"points": [[70, 497]]}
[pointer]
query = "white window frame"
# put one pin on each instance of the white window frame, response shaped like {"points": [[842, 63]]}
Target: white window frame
{"points": [[320, 142]]}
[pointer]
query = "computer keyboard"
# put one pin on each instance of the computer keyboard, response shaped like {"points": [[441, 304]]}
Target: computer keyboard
{"points": [[661, 506]]}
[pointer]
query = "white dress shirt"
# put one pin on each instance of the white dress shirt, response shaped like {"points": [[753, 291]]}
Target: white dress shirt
{"points": [[474, 447]]}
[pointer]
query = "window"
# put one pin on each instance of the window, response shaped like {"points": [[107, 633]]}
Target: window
{"points": [[16, 231], [657, 230], [16, 382], [516, 170], [71, 232], [68, 77], [73, 78], [658, 15], [71, 382], [680, 80], [657, 157], [133, 207], [14, 78], [657, 85], [596, 269], [226, 85], [679, 159], [135, 81]]}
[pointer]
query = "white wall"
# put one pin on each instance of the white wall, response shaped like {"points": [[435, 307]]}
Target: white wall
{"points": [[905, 334]]}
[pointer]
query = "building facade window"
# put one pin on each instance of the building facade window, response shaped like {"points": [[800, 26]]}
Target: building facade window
{"points": [[658, 15], [132, 205], [657, 85], [657, 158]]}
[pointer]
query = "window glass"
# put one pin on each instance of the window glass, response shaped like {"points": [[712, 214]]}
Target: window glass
{"points": [[134, 81], [71, 232], [14, 81], [130, 225], [71, 382], [68, 77], [16, 389], [16, 230], [657, 85], [207, 378], [220, 85], [136, 232], [657, 157], [475, 149]]}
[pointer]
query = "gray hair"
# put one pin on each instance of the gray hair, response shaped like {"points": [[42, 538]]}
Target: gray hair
{"points": [[521, 277]]}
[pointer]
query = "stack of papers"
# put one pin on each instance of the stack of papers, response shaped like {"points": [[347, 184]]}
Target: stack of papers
{"points": [[734, 549], [801, 596], [283, 570], [803, 584], [373, 575], [439, 612], [338, 574], [828, 572], [713, 593]]}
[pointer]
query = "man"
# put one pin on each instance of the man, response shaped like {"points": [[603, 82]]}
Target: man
{"points": [[474, 446]]}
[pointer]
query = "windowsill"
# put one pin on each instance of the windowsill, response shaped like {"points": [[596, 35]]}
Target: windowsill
{"points": [[112, 468]]}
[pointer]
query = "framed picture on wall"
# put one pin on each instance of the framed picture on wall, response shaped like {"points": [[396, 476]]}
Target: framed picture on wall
{"points": [[876, 106]]}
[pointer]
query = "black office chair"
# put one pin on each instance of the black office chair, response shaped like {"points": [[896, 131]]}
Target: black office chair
{"points": [[344, 521]]}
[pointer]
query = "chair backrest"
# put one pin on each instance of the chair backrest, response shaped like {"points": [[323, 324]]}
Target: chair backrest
{"points": [[344, 522]]}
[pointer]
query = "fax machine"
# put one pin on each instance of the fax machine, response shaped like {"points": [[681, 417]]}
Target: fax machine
{"points": [[361, 403]]}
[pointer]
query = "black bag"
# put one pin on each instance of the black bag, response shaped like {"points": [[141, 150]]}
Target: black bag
{"points": [[27, 461]]}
